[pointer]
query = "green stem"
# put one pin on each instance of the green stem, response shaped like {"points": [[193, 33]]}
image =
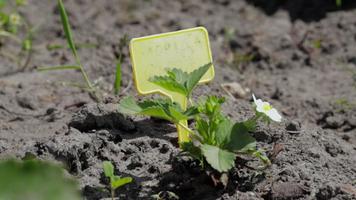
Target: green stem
{"points": [[112, 194], [185, 127]]}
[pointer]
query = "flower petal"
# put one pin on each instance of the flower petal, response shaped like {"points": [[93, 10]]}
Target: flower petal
{"points": [[274, 115], [254, 98], [260, 105]]}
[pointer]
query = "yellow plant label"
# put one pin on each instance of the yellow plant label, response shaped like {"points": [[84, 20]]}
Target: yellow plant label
{"points": [[152, 55]]}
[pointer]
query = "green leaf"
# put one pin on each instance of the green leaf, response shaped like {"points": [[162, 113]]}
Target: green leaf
{"points": [[181, 82], [159, 108], [118, 181], [129, 106], [191, 112], [67, 29], [158, 112], [219, 159], [117, 83], [34, 179], [64, 67], [240, 139], [195, 76], [108, 169], [169, 83], [203, 129], [223, 132]]}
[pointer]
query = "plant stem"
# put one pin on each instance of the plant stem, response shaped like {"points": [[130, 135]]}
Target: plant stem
{"points": [[112, 194], [185, 127]]}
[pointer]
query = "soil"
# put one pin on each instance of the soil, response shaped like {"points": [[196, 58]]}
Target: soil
{"points": [[299, 55]]}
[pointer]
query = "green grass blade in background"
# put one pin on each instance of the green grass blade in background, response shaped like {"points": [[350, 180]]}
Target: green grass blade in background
{"points": [[67, 29], [117, 83], [68, 67]]}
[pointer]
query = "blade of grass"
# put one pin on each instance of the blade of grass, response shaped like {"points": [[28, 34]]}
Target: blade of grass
{"points": [[65, 67], [67, 30], [117, 83]]}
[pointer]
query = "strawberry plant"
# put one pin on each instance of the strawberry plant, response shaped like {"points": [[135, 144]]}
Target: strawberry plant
{"points": [[115, 181], [215, 139]]}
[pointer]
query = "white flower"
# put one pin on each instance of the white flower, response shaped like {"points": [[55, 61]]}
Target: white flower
{"points": [[266, 108], [15, 19]]}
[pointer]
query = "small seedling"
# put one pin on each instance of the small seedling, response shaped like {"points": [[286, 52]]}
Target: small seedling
{"points": [[16, 28], [115, 181], [215, 139]]}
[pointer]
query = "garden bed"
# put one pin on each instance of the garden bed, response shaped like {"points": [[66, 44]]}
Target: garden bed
{"points": [[305, 68]]}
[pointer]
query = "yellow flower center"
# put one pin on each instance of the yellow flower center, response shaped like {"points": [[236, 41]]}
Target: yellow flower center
{"points": [[267, 107]]}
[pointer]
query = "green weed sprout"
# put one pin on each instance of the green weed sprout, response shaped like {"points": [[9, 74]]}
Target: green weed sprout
{"points": [[115, 181], [11, 21], [215, 139], [34, 179], [78, 66], [117, 83]]}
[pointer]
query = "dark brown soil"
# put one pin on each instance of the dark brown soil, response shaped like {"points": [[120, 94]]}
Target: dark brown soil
{"points": [[299, 55]]}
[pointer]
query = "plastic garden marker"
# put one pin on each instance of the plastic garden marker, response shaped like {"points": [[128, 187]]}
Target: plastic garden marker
{"points": [[152, 55]]}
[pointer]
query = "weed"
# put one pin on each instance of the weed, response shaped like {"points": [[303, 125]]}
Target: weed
{"points": [[78, 66], [117, 83], [115, 181]]}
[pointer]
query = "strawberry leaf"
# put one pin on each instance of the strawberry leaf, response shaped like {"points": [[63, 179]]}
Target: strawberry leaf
{"points": [[160, 108], [240, 140], [218, 158], [179, 81]]}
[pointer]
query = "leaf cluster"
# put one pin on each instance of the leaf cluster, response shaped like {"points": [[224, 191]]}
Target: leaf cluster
{"points": [[159, 108], [218, 139], [179, 81]]}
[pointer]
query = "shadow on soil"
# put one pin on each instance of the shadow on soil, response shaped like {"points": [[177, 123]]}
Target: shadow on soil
{"points": [[306, 10]]}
